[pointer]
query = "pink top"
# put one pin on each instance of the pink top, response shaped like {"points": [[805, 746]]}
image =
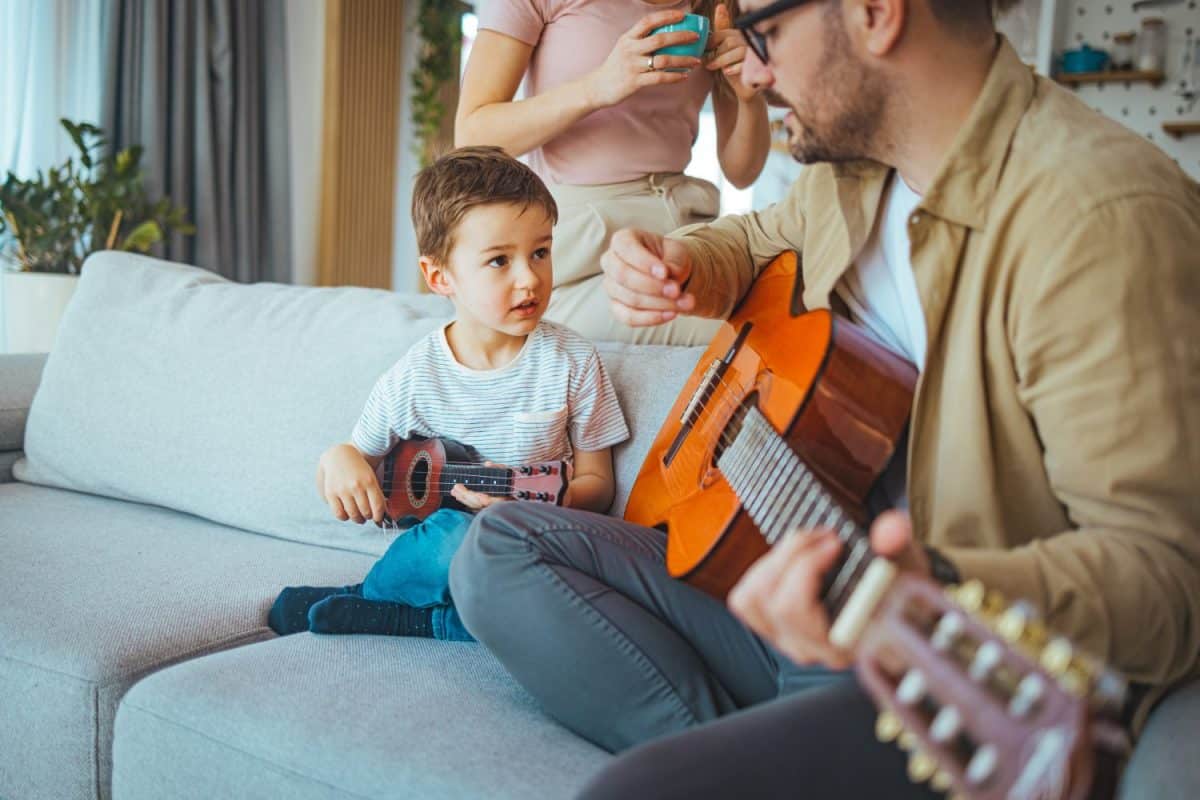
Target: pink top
{"points": [[652, 130]]}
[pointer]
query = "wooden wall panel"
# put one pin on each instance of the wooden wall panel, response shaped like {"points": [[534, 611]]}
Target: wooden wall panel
{"points": [[363, 88]]}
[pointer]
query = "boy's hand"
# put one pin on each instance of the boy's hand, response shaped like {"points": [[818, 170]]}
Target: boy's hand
{"points": [[348, 484], [476, 500]]}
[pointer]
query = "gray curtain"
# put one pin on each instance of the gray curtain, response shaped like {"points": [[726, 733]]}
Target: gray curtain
{"points": [[202, 86]]}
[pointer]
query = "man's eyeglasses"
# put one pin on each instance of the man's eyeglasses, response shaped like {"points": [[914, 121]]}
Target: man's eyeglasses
{"points": [[746, 22]]}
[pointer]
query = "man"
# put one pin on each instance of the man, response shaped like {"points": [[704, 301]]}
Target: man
{"points": [[1039, 265]]}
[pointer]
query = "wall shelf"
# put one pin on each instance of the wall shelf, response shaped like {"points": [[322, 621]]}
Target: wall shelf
{"points": [[1182, 129], [1125, 76]]}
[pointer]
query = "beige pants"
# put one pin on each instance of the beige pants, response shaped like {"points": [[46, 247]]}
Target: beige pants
{"points": [[587, 218]]}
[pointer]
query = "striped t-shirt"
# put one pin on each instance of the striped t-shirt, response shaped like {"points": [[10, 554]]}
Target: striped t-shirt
{"points": [[552, 399]]}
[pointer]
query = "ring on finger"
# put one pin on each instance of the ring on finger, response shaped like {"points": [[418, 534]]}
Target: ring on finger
{"points": [[650, 63]]}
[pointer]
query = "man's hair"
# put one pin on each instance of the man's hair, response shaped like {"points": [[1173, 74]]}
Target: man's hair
{"points": [[969, 14], [463, 179]]}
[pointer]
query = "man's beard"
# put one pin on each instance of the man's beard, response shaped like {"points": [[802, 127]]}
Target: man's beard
{"points": [[850, 98]]}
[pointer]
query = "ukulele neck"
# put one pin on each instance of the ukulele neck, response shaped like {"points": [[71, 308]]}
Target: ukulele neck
{"points": [[495, 481]]}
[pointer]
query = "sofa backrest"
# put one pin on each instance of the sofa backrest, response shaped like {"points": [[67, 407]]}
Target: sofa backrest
{"points": [[172, 386]]}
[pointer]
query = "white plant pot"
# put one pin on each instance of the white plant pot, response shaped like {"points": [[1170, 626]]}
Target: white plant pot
{"points": [[31, 305]]}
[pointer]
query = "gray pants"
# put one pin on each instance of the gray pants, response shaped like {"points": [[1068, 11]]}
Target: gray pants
{"points": [[580, 609]]}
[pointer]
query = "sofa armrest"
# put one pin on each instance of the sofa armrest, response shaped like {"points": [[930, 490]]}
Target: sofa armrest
{"points": [[20, 374]]}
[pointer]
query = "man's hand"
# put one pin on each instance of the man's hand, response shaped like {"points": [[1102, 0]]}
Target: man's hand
{"points": [[347, 483], [779, 596], [643, 275]]}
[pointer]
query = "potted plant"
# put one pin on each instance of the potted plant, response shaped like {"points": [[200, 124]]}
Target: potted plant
{"points": [[50, 223]]}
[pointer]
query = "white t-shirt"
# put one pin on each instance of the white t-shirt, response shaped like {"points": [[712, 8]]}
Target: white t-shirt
{"points": [[552, 399], [880, 290]]}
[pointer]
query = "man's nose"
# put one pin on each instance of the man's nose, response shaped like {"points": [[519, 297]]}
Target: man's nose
{"points": [[755, 74]]}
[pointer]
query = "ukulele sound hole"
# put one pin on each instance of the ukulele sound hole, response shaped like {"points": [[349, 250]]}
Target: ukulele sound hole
{"points": [[418, 479]]}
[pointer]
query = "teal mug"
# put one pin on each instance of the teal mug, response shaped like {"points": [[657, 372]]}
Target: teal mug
{"points": [[692, 22]]}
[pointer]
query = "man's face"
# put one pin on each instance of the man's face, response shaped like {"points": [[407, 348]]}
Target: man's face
{"points": [[836, 101]]}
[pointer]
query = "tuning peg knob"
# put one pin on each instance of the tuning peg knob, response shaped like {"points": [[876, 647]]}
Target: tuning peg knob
{"points": [[888, 726], [544, 469], [525, 470], [946, 725], [986, 659], [970, 595], [1028, 694], [522, 494], [920, 767], [982, 765], [942, 781], [1056, 656], [912, 688]]}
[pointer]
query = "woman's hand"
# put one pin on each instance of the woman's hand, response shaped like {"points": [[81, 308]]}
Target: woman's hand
{"points": [[348, 484], [630, 66], [728, 47]]}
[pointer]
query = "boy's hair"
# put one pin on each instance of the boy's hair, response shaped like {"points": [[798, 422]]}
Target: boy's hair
{"points": [[463, 179]]}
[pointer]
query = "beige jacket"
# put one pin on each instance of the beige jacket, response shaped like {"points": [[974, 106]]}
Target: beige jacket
{"points": [[1055, 439]]}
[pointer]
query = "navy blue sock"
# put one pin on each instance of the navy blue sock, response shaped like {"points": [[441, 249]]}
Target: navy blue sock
{"points": [[352, 614], [289, 614]]}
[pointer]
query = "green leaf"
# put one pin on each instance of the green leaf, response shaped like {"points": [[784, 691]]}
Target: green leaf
{"points": [[142, 237]]}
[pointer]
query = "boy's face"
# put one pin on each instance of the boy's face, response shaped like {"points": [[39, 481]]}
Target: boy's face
{"points": [[498, 272]]}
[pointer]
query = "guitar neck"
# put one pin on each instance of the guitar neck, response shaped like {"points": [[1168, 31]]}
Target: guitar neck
{"points": [[494, 481], [781, 494]]}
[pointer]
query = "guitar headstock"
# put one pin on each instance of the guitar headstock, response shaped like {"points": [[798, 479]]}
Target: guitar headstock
{"points": [[989, 704], [544, 482]]}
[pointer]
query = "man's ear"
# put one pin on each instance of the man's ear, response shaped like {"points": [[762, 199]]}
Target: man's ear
{"points": [[876, 25], [437, 277]]}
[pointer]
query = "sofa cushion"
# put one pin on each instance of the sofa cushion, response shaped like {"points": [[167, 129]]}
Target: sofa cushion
{"points": [[98, 593], [172, 386], [310, 716]]}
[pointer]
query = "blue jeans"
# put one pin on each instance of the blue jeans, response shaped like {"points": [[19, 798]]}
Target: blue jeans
{"points": [[415, 571]]}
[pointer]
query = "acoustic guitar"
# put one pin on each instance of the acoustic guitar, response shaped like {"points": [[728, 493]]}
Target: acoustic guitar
{"points": [[785, 424], [417, 474]]}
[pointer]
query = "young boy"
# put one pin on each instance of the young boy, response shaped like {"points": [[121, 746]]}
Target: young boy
{"points": [[496, 377]]}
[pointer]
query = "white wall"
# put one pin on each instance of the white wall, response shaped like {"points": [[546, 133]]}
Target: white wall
{"points": [[1141, 107], [305, 24]]}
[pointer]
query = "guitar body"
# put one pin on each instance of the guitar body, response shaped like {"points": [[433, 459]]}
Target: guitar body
{"points": [[840, 399]]}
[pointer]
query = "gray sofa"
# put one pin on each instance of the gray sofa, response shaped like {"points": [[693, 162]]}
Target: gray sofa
{"points": [[157, 494]]}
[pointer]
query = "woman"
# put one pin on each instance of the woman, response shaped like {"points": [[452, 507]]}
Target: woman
{"points": [[609, 126]]}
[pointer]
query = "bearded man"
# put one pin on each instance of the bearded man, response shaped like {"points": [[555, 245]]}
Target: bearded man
{"points": [[1038, 264]]}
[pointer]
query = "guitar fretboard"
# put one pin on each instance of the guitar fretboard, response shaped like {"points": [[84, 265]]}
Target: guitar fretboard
{"points": [[782, 495]]}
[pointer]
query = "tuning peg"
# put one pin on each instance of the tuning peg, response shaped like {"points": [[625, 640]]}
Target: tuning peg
{"points": [[920, 767], [525, 470], [982, 765], [544, 469], [1056, 656], [1028, 694], [969, 594], [942, 781], [987, 657], [522, 494], [912, 688], [887, 726], [946, 725], [949, 628]]}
